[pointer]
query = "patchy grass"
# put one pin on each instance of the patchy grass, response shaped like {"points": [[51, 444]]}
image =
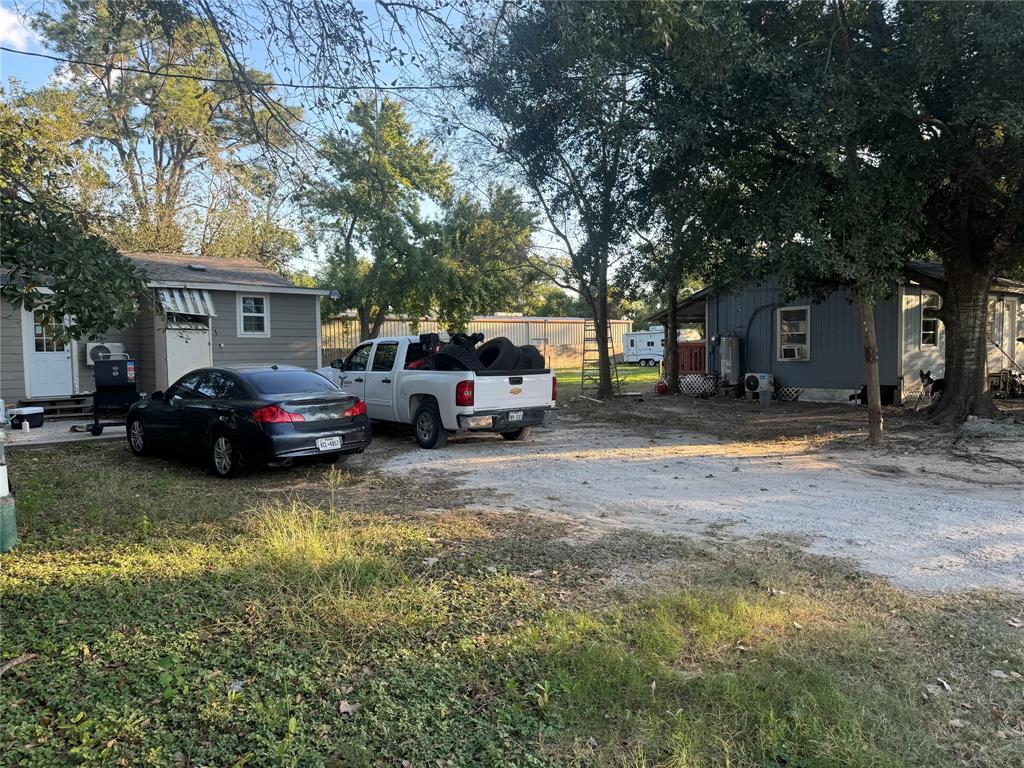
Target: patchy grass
{"points": [[317, 617], [632, 378]]}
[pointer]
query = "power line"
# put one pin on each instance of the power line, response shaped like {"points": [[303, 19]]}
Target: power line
{"points": [[233, 81]]}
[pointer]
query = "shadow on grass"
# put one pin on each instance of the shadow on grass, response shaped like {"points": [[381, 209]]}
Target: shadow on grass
{"points": [[328, 639], [308, 634]]}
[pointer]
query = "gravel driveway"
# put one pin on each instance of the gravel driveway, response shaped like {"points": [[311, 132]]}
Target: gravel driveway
{"points": [[925, 523]]}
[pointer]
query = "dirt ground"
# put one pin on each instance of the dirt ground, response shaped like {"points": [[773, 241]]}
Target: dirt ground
{"points": [[932, 509]]}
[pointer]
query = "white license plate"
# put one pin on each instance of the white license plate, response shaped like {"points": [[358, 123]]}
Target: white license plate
{"points": [[328, 443], [515, 415]]}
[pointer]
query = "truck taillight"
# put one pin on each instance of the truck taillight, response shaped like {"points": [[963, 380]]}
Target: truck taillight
{"points": [[358, 408], [554, 389], [464, 393], [275, 414]]}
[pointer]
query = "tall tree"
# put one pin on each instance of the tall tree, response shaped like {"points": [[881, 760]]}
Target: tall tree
{"points": [[482, 257], [153, 93], [962, 63], [378, 176], [50, 261], [799, 123], [562, 99]]}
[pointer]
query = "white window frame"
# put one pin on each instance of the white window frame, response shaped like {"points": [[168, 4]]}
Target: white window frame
{"points": [[938, 323], [242, 333], [778, 334]]}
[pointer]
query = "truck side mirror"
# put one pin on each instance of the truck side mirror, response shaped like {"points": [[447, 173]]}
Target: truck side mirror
{"points": [[338, 364], [158, 395]]}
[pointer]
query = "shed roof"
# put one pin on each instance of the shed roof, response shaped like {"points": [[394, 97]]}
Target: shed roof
{"points": [[179, 268], [935, 271]]}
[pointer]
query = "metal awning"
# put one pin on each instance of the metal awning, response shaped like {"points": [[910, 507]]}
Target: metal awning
{"points": [[187, 301]]}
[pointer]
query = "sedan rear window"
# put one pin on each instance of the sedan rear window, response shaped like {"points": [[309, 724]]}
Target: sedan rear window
{"points": [[287, 382]]}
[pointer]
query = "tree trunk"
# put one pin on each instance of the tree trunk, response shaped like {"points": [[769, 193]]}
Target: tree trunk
{"points": [[364, 323], [869, 343], [964, 313], [672, 340], [378, 322], [604, 389]]}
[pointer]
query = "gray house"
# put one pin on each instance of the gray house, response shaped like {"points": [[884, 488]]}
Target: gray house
{"points": [[815, 346], [215, 312]]}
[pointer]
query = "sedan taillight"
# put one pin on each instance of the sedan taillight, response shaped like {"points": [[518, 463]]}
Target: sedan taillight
{"points": [[464, 393], [358, 408], [275, 414], [554, 389]]}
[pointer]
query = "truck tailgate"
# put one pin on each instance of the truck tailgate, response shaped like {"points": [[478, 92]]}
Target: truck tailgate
{"points": [[512, 391]]}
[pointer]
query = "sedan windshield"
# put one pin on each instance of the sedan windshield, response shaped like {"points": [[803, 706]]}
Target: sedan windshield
{"points": [[288, 382]]}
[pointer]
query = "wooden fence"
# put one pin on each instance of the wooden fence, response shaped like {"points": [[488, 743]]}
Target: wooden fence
{"points": [[559, 339]]}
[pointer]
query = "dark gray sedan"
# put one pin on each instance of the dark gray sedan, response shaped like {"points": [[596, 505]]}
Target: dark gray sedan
{"points": [[257, 415]]}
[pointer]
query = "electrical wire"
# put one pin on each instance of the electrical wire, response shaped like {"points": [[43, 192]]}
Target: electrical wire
{"points": [[234, 81]]}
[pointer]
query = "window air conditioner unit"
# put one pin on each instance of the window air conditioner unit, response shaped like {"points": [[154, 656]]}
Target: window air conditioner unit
{"points": [[102, 350], [794, 351], [759, 383]]}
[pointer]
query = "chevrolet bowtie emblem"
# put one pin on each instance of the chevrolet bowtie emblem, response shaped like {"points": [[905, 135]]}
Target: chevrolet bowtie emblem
{"points": [[516, 390]]}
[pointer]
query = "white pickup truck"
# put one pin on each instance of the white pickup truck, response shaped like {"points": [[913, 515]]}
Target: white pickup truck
{"points": [[436, 403]]}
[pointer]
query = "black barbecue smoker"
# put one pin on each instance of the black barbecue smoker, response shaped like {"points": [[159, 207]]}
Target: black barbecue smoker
{"points": [[115, 388]]}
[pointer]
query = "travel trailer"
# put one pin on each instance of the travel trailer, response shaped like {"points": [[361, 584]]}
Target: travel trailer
{"points": [[644, 347]]}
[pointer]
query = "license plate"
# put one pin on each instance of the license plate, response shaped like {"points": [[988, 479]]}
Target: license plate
{"points": [[328, 443], [515, 415]]}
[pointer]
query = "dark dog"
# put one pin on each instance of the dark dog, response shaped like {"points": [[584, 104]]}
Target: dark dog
{"points": [[930, 387]]}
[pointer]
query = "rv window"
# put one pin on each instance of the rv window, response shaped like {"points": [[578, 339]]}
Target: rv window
{"points": [[650, 343], [794, 333], [930, 304], [632, 342]]}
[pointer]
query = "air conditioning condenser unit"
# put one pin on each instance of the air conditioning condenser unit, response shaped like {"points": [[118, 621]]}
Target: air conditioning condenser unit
{"points": [[759, 383], [102, 350]]}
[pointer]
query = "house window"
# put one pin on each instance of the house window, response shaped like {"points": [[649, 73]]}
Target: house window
{"points": [[253, 315], [46, 334], [930, 305], [794, 341]]}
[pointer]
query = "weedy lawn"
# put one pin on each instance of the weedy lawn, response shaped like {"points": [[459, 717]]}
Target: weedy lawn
{"points": [[316, 617]]}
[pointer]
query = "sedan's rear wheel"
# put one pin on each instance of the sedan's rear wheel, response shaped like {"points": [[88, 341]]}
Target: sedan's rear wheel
{"points": [[225, 460], [137, 439]]}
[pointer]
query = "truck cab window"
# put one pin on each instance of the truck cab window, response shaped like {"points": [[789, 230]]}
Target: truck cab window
{"points": [[359, 358], [415, 356], [384, 356]]}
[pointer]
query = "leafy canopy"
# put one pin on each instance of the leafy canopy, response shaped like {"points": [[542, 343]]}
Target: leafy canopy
{"points": [[50, 261]]}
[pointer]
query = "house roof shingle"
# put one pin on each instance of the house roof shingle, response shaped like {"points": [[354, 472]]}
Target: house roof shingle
{"points": [[178, 268]]}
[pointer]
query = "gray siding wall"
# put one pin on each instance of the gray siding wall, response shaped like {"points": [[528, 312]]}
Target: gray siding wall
{"points": [[836, 358], [12, 363], [293, 331], [144, 351]]}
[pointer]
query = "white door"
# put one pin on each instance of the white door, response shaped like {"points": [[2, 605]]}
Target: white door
{"points": [[1002, 316], [47, 357], [379, 387], [187, 349]]}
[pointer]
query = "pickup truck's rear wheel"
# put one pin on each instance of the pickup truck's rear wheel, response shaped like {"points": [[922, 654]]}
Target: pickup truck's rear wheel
{"points": [[518, 434], [426, 423]]}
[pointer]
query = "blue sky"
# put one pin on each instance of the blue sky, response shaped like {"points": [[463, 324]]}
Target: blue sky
{"points": [[30, 71]]}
